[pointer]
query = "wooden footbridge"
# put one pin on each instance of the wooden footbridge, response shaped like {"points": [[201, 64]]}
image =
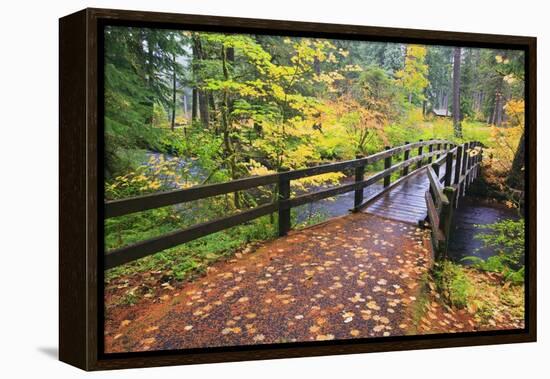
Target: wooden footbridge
{"points": [[421, 183]]}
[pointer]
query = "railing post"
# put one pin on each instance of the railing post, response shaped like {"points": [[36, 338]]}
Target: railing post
{"points": [[406, 155], [458, 171], [430, 149], [419, 153], [458, 164], [359, 177], [480, 160], [446, 219], [387, 164], [448, 168], [465, 160], [284, 195], [438, 147], [435, 166], [464, 157], [476, 160], [470, 165]]}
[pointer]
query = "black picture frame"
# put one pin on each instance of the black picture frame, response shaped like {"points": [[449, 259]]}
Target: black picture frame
{"points": [[81, 186]]}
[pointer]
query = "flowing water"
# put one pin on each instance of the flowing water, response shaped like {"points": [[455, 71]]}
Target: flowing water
{"points": [[469, 219]]}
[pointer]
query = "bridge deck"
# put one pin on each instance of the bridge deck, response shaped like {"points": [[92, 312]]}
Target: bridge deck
{"points": [[405, 202]]}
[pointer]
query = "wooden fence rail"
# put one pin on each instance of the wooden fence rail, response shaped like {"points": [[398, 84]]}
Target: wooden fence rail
{"points": [[407, 165], [443, 194]]}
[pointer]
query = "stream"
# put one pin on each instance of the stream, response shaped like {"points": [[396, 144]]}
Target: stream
{"points": [[472, 212]]}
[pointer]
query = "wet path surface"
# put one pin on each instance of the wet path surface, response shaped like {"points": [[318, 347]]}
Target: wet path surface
{"points": [[338, 205], [405, 201], [355, 277]]}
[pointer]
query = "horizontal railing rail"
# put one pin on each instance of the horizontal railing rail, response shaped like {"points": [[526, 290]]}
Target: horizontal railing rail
{"points": [[283, 204]]}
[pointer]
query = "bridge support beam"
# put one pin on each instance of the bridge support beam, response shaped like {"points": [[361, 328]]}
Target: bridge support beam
{"points": [[446, 221]]}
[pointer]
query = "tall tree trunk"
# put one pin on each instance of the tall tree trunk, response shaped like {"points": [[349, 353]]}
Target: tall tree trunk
{"points": [[425, 102], [194, 91], [150, 75], [316, 66], [185, 112], [203, 106], [457, 126], [516, 176], [497, 111], [173, 125], [230, 154], [194, 104], [498, 121]]}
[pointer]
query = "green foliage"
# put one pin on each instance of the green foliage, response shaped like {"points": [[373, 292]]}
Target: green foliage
{"points": [[137, 96], [194, 257], [254, 104], [507, 238], [413, 77], [453, 284], [438, 59]]}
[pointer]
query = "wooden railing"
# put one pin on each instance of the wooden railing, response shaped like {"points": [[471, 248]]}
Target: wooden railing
{"points": [[461, 168], [406, 167]]}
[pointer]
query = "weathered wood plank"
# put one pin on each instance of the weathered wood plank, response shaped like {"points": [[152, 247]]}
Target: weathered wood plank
{"points": [[387, 165], [144, 248], [122, 207], [448, 169], [437, 188], [458, 164], [359, 177], [420, 154], [433, 215], [406, 156], [284, 211]]}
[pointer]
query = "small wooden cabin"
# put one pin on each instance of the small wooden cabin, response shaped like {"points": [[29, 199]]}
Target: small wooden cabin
{"points": [[441, 112]]}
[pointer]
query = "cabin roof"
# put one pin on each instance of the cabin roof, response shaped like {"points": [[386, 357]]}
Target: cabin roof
{"points": [[442, 112]]}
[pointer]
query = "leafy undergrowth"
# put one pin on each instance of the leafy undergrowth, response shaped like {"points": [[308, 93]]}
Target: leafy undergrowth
{"points": [[145, 278], [465, 299]]}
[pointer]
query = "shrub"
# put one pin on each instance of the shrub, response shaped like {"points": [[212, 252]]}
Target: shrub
{"points": [[507, 238]]}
